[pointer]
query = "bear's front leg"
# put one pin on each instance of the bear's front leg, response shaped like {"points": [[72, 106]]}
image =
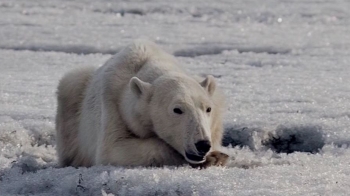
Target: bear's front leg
{"points": [[117, 146], [140, 152], [214, 158]]}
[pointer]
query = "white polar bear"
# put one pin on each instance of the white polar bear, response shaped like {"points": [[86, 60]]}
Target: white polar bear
{"points": [[138, 109]]}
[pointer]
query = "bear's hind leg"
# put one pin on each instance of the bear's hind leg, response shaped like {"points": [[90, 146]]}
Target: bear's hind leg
{"points": [[70, 93]]}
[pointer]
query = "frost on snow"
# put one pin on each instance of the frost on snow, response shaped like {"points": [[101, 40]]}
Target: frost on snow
{"points": [[283, 65]]}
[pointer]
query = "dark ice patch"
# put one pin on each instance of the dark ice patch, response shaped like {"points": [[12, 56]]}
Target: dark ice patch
{"points": [[202, 50], [73, 49], [296, 139], [239, 136], [122, 12], [28, 164], [208, 49]]}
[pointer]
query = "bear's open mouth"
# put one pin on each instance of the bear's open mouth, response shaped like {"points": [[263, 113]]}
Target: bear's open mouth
{"points": [[193, 158]]}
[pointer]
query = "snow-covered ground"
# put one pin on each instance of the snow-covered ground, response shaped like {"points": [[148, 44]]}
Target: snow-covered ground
{"points": [[284, 67]]}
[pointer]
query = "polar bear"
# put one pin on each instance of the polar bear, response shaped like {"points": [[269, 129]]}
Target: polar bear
{"points": [[139, 109]]}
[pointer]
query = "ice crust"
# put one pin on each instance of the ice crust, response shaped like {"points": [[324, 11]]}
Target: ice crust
{"points": [[283, 66]]}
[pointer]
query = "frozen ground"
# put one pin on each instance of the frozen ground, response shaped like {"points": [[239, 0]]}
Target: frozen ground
{"points": [[284, 66]]}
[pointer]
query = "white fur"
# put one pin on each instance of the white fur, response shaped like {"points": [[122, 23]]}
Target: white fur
{"points": [[122, 113]]}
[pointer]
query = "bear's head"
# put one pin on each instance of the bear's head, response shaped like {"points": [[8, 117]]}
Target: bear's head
{"points": [[179, 110]]}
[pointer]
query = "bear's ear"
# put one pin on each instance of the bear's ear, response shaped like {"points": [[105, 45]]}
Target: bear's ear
{"points": [[138, 86], [209, 84]]}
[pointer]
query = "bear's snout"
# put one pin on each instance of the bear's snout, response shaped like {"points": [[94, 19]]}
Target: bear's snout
{"points": [[203, 147]]}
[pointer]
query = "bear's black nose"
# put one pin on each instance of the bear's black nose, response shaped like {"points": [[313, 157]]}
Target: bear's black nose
{"points": [[203, 147]]}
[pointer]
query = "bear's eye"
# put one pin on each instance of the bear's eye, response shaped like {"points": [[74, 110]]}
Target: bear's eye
{"points": [[177, 111], [208, 109]]}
